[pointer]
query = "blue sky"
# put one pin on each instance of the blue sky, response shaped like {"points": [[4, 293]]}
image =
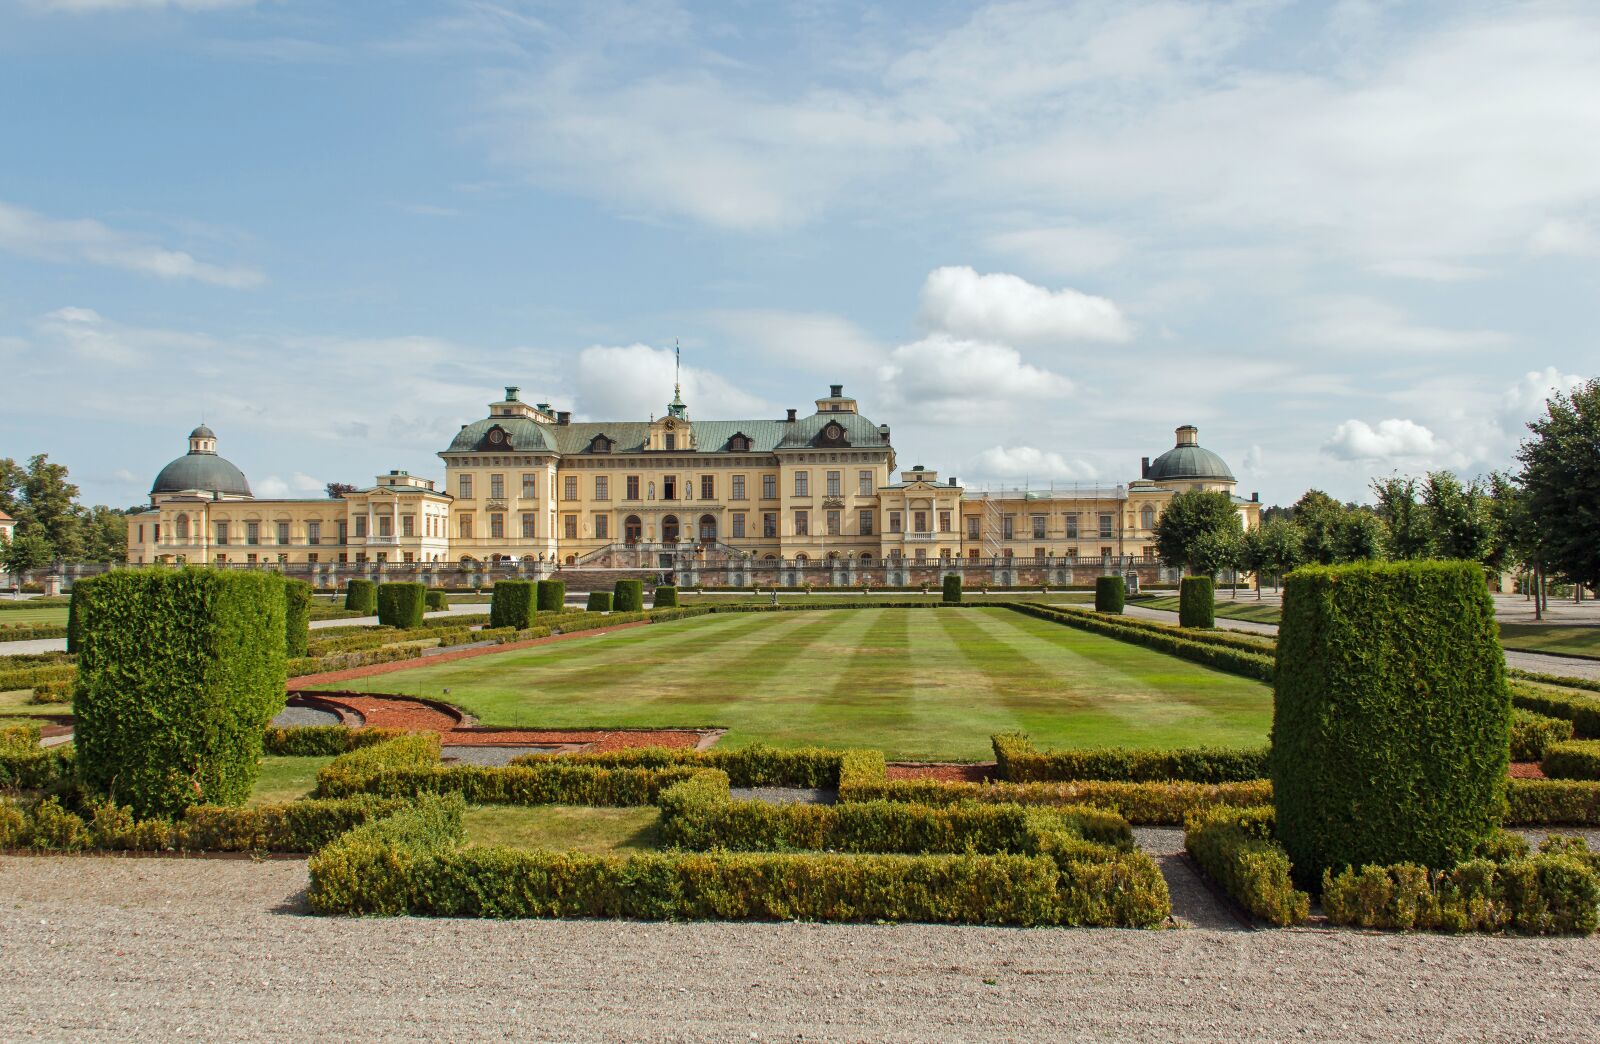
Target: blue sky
{"points": [[1344, 239]]}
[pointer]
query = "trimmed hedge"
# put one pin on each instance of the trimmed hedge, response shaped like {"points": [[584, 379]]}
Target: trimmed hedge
{"points": [[74, 622], [369, 869], [402, 605], [1197, 602], [1227, 654], [1580, 709], [755, 766], [952, 588], [1539, 802], [437, 601], [36, 673], [1532, 735], [1391, 724], [1110, 594], [1592, 684], [296, 617], [179, 674], [361, 596], [1553, 894], [514, 604], [552, 596], [599, 602], [628, 596], [666, 597], [1577, 759], [52, 692], [1019, 762], [1236, 849], [316, 740]]}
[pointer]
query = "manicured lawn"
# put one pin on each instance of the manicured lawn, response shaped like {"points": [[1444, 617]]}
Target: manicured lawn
{"points": [[598, 831], [55, 615], [1245, 608], [14, 703], [1551, 638], [916, 683], [850, 595], [286, 779]]}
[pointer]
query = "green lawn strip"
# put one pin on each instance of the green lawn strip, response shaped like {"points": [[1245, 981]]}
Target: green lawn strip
{"points": [[1557, 639], [864, 686], [594, 831], [1242, 609], [54, 615], [849, 594], [286, 779], [14, 703]]}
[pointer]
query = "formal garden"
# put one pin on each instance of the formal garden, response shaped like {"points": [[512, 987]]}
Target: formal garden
{"points": [[948, 760]]}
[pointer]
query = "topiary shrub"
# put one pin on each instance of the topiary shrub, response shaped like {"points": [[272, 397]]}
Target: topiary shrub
{"points": [[952, 587], [179, 672], [1197, 602], [599, 602], [401, 605], [1110, 592], [1391, 725], [552, 596], [438, 601], [628, 596], [296, 617], [512, 604], [666, 597], [361, 596], [73, 632]]}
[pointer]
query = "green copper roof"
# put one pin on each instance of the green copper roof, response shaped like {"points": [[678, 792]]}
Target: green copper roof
{"points": [[202, 472], [576, 438], [1189, 462]]}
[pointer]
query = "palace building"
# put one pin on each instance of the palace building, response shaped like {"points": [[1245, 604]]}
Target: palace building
{"points": [[529, 485]]}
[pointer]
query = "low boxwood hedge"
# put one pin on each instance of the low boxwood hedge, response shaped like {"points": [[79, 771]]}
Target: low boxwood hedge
{"points": [[1554, 894], [1019, 762], [755, 766], [317, 740], [1533, 734], [1575, 759], [1236, 849], [1580, 708], [1252, 660]]}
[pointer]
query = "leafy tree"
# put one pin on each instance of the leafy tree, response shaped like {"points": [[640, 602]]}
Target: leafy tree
{"points": [[1285, 546], [105, 535], [1217, 550], [1318, 517], [1405, 520], [50, 506], [1183, 528], [1458, 517], [27, 551], [1360, 536], [336, 490], [1561, 480]]}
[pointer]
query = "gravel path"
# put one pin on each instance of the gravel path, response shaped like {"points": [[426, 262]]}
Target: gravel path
{"points": [[118, 949], [1194, 904], [784, 795], [483, 754], [291, 717]]}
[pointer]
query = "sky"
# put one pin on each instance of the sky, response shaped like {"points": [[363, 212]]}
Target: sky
{"points": [[1346, 240]]}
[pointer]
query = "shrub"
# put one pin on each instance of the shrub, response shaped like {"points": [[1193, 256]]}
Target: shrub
{"points": [[599, 602], [74, 629], [952, 588], [179, 674], [438, 601], [552, 596], [370, 869], [296, 617], [344, 774], [52, 692], [1109, 594], [1390, 735], [754, 766], [666, 597], [1553, 894], [1580, 709], [1197, 602], [35, 768], [513, 604], [1576, 759], [315, 740], [1235, 847], [1533, 734], [1553, 801], [1019, 762], [401, 605], [628, 596], [361, 596]]}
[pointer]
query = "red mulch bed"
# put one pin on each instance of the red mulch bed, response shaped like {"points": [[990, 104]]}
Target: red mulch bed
{"points": [[978, 773], [1526, 770]]}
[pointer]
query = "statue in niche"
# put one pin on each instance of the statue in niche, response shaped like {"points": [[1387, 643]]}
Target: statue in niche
{"points": [[650, 493]]}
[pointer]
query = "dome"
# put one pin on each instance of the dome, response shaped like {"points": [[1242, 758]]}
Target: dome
{"points": [[1190, 461], [202, 432], [202, 471]]}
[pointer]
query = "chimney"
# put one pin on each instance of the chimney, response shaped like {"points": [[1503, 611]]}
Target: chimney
{"points": [[564, 417], [1144, 467], [1255, 498], [792, 412], [883, 433], [511, 392], [952, 480], [835, 391]]}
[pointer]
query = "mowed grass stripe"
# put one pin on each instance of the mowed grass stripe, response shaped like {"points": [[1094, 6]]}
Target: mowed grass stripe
{"points": [[864, 679]]}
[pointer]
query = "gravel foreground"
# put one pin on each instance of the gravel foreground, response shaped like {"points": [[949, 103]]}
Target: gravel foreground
{"points": [[118, 948]]}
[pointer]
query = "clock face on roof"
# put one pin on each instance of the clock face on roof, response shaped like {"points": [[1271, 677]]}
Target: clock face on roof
{"points": [[497, 436], [833, 431]]}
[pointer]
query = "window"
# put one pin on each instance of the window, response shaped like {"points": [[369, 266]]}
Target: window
{"points": [[1038, 553], [1105, 525], [864, 483], [737, 523], [361, 525], [344, 556], [919, 521], [313, 557], [497, 487], [602, 487], [894, 521], [183, 527], [1038, 527], [408, 525], [921, 553], [283, 533], [1149, 554], [602, 527], [407, 556], [669, 488], [497, 526], [1072, 527], [313, 532], [466, 527], [527, 525], [344, 531], [769, 523], [222, 532], [802, 483], [865, 521], [1147, 517], [835, 481], [383, 556], [633, 487], [833, 523], [1072, 552], [530, 485], [569, 488], [632, 529], [972, 527], [465, 484], [1008, 527], [569, 526], [252, 532], [1006, 552], [1105, 552], [973, 554], [769, 487], [802, 523], [944, 521], [361, 556], [385, 526], [708, 487], [738, 487], [672, 442]]}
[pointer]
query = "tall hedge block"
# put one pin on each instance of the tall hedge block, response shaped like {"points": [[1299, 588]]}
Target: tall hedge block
{"points": [[438, 601], [179, 672], [628, 596], [952, 587], [402, 605], [513, 604], [1197, 602], [1391, 726], [666, 597], [73, 632], [552, 596], [1110, 592], [599, 602], [296, 617], [361, 596]]}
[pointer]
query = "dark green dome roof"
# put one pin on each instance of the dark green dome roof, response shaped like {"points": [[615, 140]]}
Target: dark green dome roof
{"points": [[1189, 460], [202, 472]]}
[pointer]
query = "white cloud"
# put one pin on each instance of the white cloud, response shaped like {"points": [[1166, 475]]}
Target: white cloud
{"points": [[632, 382], [1360, 324], [1564, 237], [943, 368], [1010, 310], [1030, 464], [814, 340], [1255, 460], [1063, 250], [300, 482], [1392, 440], [1525, 400], [271, 487], [31, 234]]}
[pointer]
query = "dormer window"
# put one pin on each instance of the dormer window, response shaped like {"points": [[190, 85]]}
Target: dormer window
{"points": [[601, 444], [739, 443]]}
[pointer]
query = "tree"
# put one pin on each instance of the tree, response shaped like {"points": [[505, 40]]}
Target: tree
{"points": [[27, 551], [1561, 480], [1285, 546], [1183, 528], [1405, 520], [1317, 515], [1458, 517], [1217, 550], [336, 490], [105, 535], [50, 505]]}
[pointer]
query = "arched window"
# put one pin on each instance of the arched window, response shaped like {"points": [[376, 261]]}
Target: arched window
{"points": [[669, 529], [866, 556], [1147, 517], [572, 560], [708, 529], [769, 558], [632, 529], [801, 559], [183, 527]]}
